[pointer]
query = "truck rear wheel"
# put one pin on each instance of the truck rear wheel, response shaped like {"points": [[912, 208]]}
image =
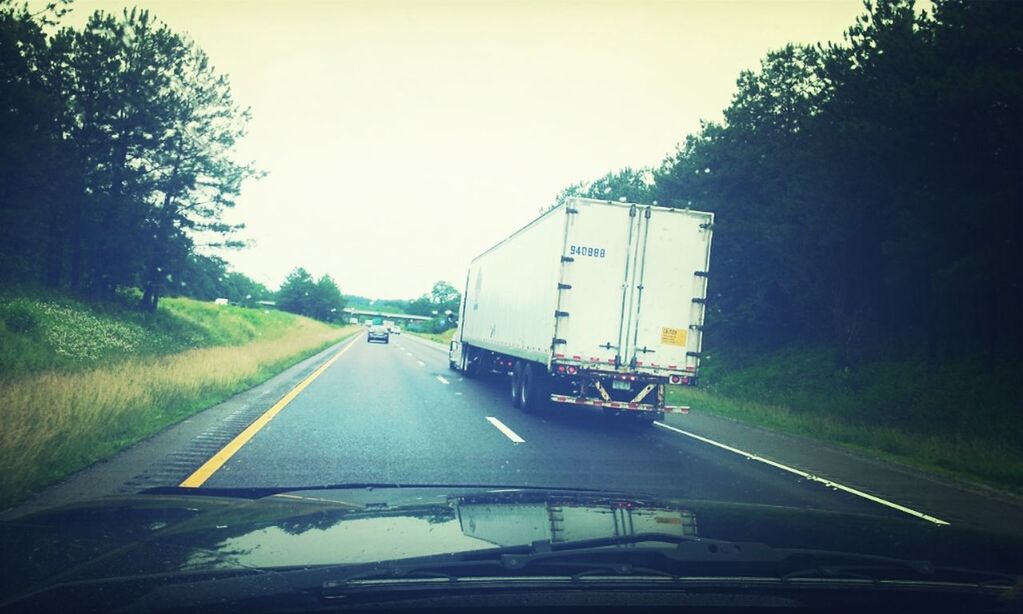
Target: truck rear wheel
{"points": [[473, 362], [534, 388], [516, 384]]}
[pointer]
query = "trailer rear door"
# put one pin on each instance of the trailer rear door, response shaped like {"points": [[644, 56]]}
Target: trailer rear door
{"points": [[665, 316], [597, 269]]}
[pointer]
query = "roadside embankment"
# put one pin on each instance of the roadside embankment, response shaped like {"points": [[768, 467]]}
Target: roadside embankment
{"points": [[959, 420], [79, 382], [442, 338]]}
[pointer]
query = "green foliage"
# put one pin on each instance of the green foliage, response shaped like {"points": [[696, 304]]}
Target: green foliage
{"points": [[839, 179], [117, 154], [628, 184], [208, 278], [52, 332], [959, 416], [444, 338], [440, 303], [19, 317], [866, 273], [320, 299]]}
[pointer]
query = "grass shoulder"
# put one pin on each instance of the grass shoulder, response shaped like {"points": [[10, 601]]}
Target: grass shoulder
{"points": [[442, 338], [954, 420], [43, 332], [77, 400]]}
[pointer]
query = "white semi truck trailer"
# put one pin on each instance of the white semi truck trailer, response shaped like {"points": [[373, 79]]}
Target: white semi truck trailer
{"points": [[593, 303]]}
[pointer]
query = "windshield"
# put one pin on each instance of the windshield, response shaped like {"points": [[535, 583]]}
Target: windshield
{"points": [[752, 254]]}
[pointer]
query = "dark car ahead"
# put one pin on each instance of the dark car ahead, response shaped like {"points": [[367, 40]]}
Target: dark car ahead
{"points": [[378, 333]]}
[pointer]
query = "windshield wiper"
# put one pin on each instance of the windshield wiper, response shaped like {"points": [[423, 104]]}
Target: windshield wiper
{"points": [[663, 556], [641, 562]]}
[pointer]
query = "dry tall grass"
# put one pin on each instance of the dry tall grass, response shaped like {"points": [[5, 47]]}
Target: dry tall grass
{"points": [[52, 424]]}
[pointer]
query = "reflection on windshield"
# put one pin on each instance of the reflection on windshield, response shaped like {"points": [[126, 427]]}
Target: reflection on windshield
{"points": [[508, 525], [351, 537], [359, 540]]}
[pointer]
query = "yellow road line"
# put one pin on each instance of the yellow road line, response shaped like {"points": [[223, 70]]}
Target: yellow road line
{"points": [[217, 460]]}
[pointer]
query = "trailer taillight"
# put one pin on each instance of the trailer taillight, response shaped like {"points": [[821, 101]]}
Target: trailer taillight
{"points": [[675, 379], [572, 370], [561, 368]]}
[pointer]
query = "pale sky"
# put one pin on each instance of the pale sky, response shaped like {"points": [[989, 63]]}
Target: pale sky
{"points": [[401, 139]]}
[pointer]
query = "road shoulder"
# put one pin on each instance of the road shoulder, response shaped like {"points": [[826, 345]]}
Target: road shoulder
{"points": [[960, 503], [168, 457]]}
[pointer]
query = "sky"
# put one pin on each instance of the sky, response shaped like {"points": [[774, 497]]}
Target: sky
{"points": [[401, 139]]}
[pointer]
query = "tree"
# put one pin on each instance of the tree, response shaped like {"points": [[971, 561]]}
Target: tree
{"points": [[440, 304], [443, 293], [116, 161], [294, 293], [632, 185], [208, 277], [39, 172], [320, 299], [196, 176]]}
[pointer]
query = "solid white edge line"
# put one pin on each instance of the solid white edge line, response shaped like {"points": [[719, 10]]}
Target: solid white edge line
{"points": [[510, 434], [808, 476], [442, 380]]}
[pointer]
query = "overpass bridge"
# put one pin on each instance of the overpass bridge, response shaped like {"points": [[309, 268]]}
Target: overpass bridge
{"points": [[366, 313]]}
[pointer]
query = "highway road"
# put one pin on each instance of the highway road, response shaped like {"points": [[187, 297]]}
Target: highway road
{"points": [[375, 413], [395, 413]]}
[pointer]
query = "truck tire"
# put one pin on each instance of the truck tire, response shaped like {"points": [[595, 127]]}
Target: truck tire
{"points": [[534, 388], [473, 362], [516, 384]]}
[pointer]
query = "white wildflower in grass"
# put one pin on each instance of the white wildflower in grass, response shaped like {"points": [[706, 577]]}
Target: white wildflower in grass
{"points": [[83, 336]]}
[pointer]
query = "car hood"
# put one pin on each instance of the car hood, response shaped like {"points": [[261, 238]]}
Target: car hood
{"points": [[175, 530]]}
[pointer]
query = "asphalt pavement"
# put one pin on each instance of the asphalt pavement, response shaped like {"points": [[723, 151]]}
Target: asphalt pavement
{"points": [[395, 413]]}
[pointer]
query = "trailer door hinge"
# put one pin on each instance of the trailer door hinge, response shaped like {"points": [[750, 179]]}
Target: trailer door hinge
{"points": [[700, 301], [632, 211], [564, 286], [557, 341], [570, 210], [695, 354], [701, 274], [567, 259], [698, 327], [560, 314], [646, 213]]}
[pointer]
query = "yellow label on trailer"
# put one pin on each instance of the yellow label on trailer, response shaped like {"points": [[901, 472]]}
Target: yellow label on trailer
{"points": [[674, 336]]}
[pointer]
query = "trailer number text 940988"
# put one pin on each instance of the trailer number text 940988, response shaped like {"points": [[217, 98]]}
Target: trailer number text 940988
{"points": [[581, 250]]}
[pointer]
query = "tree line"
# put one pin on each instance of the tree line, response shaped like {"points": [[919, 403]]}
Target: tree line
{"points": [[116, 162], [867, 194], [440, 304], [117, 165]]}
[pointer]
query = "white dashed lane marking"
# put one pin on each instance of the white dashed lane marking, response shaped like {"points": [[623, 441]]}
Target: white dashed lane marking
{"points": [[510, 434]]}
